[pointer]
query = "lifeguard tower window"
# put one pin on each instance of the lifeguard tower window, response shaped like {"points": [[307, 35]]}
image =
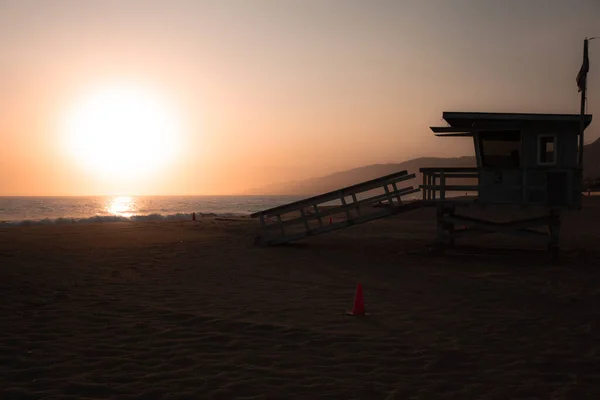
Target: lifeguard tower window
{"points": [[500, 149], [546, 150]]}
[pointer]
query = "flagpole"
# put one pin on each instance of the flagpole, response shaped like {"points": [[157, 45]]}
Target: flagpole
{"points": [[582, 110], [582, 83]]}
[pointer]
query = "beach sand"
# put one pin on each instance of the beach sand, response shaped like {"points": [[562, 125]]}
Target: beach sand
{"points": [[180, 310]]}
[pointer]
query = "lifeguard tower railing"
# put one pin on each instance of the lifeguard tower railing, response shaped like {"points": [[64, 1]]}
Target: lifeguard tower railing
{"points": [[438, 183], [338, 209], [521, 187]]}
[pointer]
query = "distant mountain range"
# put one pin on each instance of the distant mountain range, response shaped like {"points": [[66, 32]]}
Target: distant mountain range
{"points": [[591, 161], [341, 179]]}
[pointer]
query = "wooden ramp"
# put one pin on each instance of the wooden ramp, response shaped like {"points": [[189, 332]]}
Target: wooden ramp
{"points": [[352, 205]]}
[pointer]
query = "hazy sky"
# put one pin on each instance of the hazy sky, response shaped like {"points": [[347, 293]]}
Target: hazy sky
{"points": [[271, 91]]}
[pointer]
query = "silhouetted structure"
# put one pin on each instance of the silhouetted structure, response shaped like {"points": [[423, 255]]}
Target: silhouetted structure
{"points": [[530, 160], [527, 160]]}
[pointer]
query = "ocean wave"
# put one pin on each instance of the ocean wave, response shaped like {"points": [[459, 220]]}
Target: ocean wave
{"points": [[117, 218]]}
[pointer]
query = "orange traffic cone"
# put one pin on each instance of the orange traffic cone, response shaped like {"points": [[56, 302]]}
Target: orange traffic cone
{"points": [[193, 216], [359, 302]]}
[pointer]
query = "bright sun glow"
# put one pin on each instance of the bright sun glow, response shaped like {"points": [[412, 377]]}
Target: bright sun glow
{"points": [[122, 206], [123, 132]]}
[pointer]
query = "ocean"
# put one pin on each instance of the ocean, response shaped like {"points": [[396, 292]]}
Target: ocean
{"points": [[68, 210]]}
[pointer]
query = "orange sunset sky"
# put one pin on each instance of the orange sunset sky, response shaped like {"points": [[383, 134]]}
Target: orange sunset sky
{"points": [[216, 97]]}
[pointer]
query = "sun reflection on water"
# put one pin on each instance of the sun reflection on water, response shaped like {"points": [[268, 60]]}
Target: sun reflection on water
{"points": [[122, 206]]}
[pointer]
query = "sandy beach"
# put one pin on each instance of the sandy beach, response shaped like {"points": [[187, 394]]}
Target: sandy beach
{"points": [[189, 310]]}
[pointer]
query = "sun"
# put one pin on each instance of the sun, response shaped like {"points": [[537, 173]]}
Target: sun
{"points": [[122, 132]]}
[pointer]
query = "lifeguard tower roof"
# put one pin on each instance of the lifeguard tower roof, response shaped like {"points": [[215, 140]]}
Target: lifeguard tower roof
{"points": [[483, 120]]}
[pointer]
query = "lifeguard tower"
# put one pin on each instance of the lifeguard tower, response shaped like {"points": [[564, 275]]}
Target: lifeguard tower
{"points": [[528, 160], [524, 160]]}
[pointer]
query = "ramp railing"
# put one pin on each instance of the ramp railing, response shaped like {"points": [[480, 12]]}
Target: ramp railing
{"points": [[350, 206]]}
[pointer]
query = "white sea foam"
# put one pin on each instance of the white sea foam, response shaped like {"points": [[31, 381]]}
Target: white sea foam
{"points": [[116, 218], [20, 211]]}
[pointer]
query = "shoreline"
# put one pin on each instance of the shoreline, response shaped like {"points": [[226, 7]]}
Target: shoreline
{"points": [[100, 219]]}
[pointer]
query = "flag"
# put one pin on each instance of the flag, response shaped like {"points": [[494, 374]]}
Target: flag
{"points": [[585, 67]]}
